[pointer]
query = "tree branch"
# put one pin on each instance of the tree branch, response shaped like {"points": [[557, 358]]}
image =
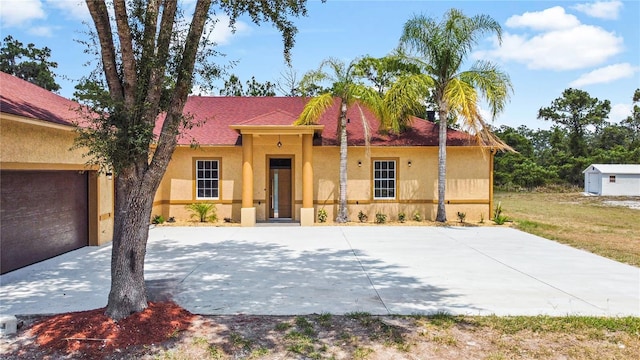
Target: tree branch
{"points": [[126, 49], [158, 68], [100, 16], [167, 140]]}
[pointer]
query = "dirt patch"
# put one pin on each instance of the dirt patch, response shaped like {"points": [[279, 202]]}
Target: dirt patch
{"points": [[165, 331], [631, 204]]}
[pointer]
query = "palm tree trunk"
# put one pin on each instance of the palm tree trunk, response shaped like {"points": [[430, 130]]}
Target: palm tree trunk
{"points": [[342, 204], [441, 215]]}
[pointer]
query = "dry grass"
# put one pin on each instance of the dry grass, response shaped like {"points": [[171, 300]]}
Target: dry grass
{"points": [[585, 222]]}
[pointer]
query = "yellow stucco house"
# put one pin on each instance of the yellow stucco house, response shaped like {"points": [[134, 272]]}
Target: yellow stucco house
{"points": [[257, 167], [51, 201], [249, 160]]}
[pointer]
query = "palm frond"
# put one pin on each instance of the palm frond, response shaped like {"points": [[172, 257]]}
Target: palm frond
{"points": [[404, 99], [494, 84], [314, 109], [463, 101]]}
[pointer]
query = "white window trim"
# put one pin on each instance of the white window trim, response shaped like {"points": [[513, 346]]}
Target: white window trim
{"points": [[395, 179], [198, 178]]}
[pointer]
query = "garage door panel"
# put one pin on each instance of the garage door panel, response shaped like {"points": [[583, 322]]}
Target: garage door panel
{"points": [[43, 214]]}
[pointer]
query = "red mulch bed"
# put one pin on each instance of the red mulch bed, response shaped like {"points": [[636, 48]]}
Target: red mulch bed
{"points": [[91, 334]]}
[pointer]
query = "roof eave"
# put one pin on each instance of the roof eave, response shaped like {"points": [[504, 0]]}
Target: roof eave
{"points": [[278, 129]]}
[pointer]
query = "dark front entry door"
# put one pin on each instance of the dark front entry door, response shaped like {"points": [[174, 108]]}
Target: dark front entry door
{"points": [[280, 188]]}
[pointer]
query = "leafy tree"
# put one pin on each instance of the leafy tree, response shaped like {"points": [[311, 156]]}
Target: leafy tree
{"points": [[94, 93], [575, 111], [442, 48], [345, 87], [383, 72], [255, 88], [28, 63], [612, 135], [633, 121], [150, 52], [233, 87]]}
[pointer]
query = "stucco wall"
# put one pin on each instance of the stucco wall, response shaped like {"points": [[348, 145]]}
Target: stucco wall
{"points": [[467, 187], [34, 145], [468, 181]]}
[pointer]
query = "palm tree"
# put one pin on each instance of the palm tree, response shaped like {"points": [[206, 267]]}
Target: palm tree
{"points": [[350, 92], [441, 48]]}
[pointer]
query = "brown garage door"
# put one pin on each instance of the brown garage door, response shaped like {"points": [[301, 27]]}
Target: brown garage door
{"points": [[42, 214]]}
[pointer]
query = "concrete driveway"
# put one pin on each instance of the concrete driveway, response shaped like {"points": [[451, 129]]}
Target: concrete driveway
{"points": [[377, 269]]}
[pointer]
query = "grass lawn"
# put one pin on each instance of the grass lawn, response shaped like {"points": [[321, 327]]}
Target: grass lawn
{"points": [[584, 222]]}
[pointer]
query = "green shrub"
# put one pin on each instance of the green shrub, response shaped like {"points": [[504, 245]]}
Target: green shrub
{"points": [[381, 218], [362, 217], [203, 211], [157, 219], [461, 216], [402, 217], [417, 217], [322, 215], [498, 217]]}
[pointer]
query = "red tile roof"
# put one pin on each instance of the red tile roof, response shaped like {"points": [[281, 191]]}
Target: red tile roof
{"points": [[216, 114], [22, 98]]}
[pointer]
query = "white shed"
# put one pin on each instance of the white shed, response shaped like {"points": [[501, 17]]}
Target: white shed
{"points": [[612, 179]]}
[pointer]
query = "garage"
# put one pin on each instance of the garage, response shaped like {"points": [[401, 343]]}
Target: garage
{"points": [[42, 214]]}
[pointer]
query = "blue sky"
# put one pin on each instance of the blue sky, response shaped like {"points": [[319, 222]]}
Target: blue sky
{"points": [[547, 46]]}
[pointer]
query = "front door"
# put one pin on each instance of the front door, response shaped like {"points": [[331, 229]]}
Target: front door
{"points": [[280, 188]]}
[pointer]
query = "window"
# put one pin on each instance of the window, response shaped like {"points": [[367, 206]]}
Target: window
{"points": [[612, 178], [207, 179], [384, 179]]}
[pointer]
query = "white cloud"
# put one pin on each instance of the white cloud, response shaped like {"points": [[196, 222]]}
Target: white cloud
{"points": [[220, 32], [198, 90], [619, 112], [567, 46], [20, 12], [550, 19], [606, 74], [45, 31], [75, 9], [608, 10]]}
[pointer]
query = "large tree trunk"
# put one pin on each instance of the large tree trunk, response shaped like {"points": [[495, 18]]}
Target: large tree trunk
{"points": [[441, 216], [342, 204], [131, 230]]}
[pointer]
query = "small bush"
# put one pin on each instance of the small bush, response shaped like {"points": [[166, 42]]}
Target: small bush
{"points": [[498, 217], [157, 219], [402, 217], [171, 219], [417, 217], [461, 216], [322, 215], [481, 218], [362, 217], [381, 218], [203, 211]]}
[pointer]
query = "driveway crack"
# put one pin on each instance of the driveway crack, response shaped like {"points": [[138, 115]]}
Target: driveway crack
{"points": [[373, 286], [524, 273]]}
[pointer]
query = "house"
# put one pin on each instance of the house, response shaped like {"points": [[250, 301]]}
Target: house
{"points": [[52, 202], [612, 179], [242, 154], [256, 166]]}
